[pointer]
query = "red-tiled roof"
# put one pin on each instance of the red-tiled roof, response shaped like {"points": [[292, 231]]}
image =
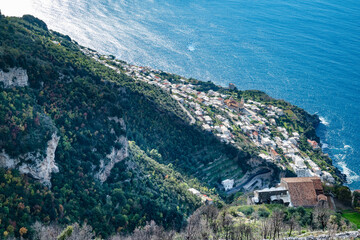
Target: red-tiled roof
{"points": [[273, 152], [232, 103], [317, 184], [303, 190], [312, 143]]}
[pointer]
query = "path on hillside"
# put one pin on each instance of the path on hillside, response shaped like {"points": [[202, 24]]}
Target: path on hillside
{"points": [[192, 119]]}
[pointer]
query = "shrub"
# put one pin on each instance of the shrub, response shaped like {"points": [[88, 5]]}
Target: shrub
{"points": [[247, 210], [263, 213]]}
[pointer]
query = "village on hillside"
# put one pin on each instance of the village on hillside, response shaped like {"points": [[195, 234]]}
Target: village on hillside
{"points": [[230, 120]]}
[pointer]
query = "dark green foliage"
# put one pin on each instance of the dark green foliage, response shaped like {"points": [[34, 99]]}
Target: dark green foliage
{"points": [[247, 210], [342, 193], [24, 126], [35, 21], [356, 200], [263, 213]]}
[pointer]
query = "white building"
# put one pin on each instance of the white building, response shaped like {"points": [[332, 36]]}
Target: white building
{"points": [[208, 119], [224, 130], [206, 127], [194, 191], [228, 184]]}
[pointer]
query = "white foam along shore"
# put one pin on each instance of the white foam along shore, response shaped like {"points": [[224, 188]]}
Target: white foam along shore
{"points": [[351, 176], [324, 121]]}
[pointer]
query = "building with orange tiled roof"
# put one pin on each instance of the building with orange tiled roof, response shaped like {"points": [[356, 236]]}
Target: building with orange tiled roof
{"points": [[232, 104], [295, 192], [313, 144], [303, 191], [274, 154]]}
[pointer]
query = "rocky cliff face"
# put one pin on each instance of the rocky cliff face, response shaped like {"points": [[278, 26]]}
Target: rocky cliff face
{"points": [[34, 163], [111, 159], [6, 161], [16, 77], [116, 155]]}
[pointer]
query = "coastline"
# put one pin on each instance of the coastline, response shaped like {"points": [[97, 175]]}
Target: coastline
{"points": [[137, 72]]}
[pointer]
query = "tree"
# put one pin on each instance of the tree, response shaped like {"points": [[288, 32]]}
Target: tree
{"points": [[321, 216], [150, 231], [75, 232], [343, 193], [242, 231], [265, 228], [293, 222], [332, 226], [277, 219], [83, 232], [356, 199], [211, 213], [226, 223], [66, 233], [192, 229], [45, 232], [23, 231]]}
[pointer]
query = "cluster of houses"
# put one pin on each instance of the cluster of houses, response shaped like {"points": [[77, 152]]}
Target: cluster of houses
{"points": [[262, 129]]}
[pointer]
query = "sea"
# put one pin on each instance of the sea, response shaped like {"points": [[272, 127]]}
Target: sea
{"points": [[305, 52]]}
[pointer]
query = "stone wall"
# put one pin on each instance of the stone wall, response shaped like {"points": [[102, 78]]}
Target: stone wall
{"points": [[343, 235]]}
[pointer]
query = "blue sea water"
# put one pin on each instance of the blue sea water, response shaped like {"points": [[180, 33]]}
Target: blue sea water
{"points": [[306, 52]]}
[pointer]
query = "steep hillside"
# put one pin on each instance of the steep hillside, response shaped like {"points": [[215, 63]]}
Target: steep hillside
{"points": [[66, 120]]}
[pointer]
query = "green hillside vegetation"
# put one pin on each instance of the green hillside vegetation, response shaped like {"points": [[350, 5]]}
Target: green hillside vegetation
{"points": [[352, 216]]}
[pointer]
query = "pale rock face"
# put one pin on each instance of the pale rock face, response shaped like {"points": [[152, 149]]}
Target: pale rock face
{"points": [[16, 77], [42, 168], [34, 163], [112, 158], [6, 161]]}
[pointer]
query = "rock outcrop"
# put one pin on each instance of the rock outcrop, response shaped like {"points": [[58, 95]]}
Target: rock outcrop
{"points": [[6, 161], [111, 159], [34, 163], [42, 168], [16, 77]]}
